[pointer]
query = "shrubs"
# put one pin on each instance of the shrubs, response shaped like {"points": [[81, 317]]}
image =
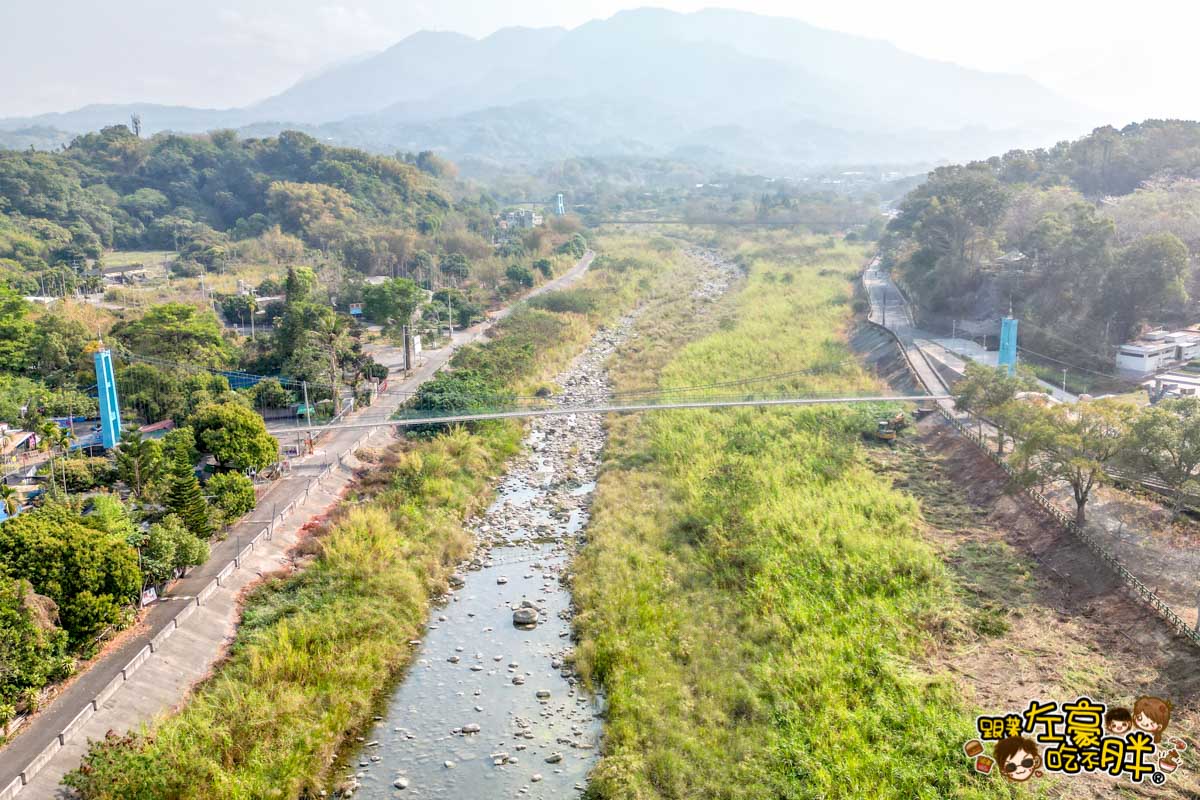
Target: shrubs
{"points": [[85, 474], [567, 301], [232, 492], [32, 647], [167, 549], [91, 574], [519, 275]]}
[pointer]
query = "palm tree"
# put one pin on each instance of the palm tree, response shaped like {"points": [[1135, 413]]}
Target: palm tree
{"points": [[46, 438], [63, 438], [10, 498]]}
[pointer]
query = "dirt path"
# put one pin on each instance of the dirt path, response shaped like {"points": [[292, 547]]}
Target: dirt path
{"points": [[1047, 619]]}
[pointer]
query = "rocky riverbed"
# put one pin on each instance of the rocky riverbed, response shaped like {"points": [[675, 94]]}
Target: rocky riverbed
{"points": [[490, 706]]}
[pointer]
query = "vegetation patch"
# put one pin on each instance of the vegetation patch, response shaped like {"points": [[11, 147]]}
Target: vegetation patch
{"points": [[754, 598]]}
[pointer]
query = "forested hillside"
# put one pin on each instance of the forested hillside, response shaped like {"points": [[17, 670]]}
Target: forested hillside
{"points": [[198, 193], [1088, 240]]}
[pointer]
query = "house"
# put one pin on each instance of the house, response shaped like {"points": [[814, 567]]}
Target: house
{"points": [[1157, 350], [522, 218]]}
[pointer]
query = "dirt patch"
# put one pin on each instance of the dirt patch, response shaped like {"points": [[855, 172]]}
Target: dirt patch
{"points": [[1045, 617]]}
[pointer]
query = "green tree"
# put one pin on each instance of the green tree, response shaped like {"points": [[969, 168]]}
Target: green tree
{"points": [[544, 266], [1069, 444], [233, 493], [235, 435], [455, 266], [91, 574], [1148, 283], [393, 301], [184, 497], [15, 330], [270, 393], [178, 333], [985, 389], [32, 647], [519, 275], [298, 287], [167, 547], [1165, 441], [10, 500], [139, 462]]}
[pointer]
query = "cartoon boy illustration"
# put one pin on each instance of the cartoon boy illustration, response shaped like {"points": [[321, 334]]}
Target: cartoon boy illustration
{"points": [[1017, 758], [1118, 721], [1151, 714]]}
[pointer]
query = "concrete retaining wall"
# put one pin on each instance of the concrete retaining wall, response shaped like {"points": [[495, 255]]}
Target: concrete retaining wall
{"points": [[40, 760], [10, 791], [187, 611], [136, 662], [74, 725], [206, 593], [159, 638], [108, 691]]}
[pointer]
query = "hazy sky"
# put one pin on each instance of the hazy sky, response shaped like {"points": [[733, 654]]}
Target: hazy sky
{"points": [[1132, 59]]}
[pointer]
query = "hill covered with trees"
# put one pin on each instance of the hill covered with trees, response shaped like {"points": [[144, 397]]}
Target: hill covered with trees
{"points": [[1088, 240], [197, 194]]}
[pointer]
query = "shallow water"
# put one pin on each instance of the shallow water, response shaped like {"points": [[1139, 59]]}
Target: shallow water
{"points": [[474, 666]]}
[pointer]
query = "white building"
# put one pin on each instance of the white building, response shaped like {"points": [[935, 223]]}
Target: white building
{"points": [[1156, 351]]}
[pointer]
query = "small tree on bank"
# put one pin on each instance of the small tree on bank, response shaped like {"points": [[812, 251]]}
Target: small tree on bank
{"points": [[1071, 444]]}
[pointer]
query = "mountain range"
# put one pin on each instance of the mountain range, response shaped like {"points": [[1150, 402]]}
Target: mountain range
{"points": [[727, 87]]}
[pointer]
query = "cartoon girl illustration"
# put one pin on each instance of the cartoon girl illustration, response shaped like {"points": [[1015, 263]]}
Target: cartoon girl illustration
{"points": [[1151, 714], [1118, 721], [1017, 758]]}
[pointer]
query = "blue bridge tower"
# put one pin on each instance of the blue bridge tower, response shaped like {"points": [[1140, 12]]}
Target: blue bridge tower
{"points": [[1008, 344], [110, 407]]}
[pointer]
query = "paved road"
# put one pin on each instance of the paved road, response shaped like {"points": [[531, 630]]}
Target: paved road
{"points": [[37, 734], [889, 309]]}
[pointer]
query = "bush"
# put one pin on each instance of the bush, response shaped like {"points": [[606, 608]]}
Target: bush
{"points": [[32, 647], [91, 574], [169, 547], [232, 492], [544, 266], [567, 301], [519, 275], [85, 474]]}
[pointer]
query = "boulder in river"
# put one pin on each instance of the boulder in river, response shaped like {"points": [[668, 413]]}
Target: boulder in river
{"points": [[525, 617]]}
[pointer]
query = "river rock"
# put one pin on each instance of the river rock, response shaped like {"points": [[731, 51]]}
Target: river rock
{"points": [[525, 616]]}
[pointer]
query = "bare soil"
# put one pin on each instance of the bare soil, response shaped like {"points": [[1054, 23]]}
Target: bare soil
{"points": [[1046, 618]]}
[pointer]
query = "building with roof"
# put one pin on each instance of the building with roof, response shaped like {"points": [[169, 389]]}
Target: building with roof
{"points": [[1156, 351]]}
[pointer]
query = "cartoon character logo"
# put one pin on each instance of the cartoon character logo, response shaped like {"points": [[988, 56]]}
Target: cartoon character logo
{"points": [[1017, 758], [1118, 721], [1151, 714]]}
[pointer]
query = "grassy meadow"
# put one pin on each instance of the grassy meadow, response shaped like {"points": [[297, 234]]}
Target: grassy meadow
{"points": [[318, 647], [754, 600]]}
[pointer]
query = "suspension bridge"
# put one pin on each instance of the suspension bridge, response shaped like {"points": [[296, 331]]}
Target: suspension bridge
{"points": [[417, 418]]}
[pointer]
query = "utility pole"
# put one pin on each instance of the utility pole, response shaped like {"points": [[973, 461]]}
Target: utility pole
{"points": [[953, 328], [1064, 383], [450, 315], [307, 407]]}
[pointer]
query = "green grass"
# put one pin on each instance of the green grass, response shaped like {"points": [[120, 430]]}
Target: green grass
{"points": [[316, 649], [755, 600]]}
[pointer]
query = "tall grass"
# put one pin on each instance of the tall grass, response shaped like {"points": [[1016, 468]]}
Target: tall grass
{"points": [[753, 599], [315, 649]]}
